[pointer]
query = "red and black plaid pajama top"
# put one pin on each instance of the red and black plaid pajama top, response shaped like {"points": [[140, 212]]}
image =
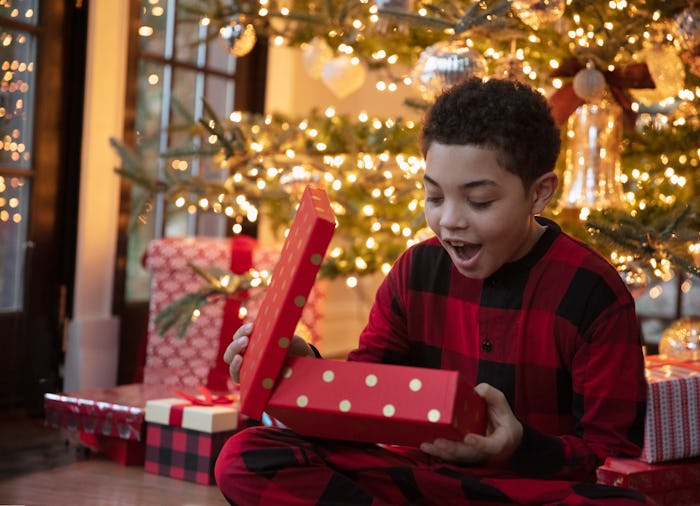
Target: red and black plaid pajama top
{"points": [[556, 331]]}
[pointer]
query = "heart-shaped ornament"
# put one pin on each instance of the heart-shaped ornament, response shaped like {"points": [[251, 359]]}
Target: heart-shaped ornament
{"points": [[343, 76]]}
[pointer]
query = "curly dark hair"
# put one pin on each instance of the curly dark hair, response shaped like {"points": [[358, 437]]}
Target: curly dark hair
{"points": [[505, 115]]}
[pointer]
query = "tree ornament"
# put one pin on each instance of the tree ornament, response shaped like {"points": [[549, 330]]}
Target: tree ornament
{"points": [[667, 71], [238, 37], [444, 64], [592, 176], [343, 75], [315, 55], [681, 339], [510, 67], [688, 27], [536, 13], [635, 278], [385, 24], [589, 83]]}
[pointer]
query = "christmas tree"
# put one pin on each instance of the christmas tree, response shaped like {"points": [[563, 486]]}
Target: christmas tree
{"points": [[623, 79]]}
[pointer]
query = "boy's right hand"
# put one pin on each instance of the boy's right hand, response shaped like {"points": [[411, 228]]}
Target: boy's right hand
{"points": [[233, 355]]}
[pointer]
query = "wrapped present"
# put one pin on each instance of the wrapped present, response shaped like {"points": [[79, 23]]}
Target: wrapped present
{"points": [[672, 427], [292, 280], [378, 403], [183, 439], [650, 478], [196, 359], [108, 420], [344, 400]]}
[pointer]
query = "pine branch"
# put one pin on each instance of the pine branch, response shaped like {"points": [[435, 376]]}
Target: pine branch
{"points": [[218, 283]]}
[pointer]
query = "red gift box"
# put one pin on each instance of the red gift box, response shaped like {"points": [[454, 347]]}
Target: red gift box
{"points": [[345, 400], [285, 297], [108, 420], [196, 359], [379, 403], [645, 477], [670, 483], [672, 427]]}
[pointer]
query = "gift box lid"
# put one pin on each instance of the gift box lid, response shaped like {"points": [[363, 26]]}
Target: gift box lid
{"points": [[180, 412], [292, 279], [378, 403]]}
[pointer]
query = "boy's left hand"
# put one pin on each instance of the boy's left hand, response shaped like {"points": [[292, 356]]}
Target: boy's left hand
{"points": [[503, 434]]}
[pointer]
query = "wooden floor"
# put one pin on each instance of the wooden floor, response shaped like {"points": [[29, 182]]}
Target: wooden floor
{"points": [[41, 466]]}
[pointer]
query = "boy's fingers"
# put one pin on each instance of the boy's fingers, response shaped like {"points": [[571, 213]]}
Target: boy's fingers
{"points": [[243, 330], [235, 348], [235, 368]]}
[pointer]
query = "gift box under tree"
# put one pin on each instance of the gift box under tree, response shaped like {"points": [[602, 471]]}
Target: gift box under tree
{"points": [[184, 437], [196, 359], [672, 427], [674, 483]]}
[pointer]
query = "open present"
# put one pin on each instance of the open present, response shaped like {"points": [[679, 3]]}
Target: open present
{"points": [[672, 427], [377, 403]]}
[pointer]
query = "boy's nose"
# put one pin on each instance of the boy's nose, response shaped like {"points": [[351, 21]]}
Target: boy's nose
{"points": [[453, 216]]}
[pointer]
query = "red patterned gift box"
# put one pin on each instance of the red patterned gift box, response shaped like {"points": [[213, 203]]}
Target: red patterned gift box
{"points": [[669, 483], [108, 420], [672, 428], [344, 400], [183, 439], [196, 359], [645, 477]]}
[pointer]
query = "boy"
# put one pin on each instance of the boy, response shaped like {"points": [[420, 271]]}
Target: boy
{"points": [[541, 323]]}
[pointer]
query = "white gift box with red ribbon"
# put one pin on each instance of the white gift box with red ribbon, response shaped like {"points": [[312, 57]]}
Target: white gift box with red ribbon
{"points": [[672, 429], [179, 412]]}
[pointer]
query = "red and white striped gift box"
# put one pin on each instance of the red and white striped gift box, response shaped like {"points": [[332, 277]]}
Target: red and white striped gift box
{"points": [[672, 429]]}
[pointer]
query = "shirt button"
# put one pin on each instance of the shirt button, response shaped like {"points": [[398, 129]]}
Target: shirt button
{"points": [[486, 345]]}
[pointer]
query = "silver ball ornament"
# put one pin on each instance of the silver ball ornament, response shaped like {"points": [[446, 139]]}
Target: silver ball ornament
{"points": [[238, 37], [589, 83], [444, 64], [681, 339]]}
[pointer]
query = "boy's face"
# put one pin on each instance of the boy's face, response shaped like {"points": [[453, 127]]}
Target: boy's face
{"points": [[480, 211]]}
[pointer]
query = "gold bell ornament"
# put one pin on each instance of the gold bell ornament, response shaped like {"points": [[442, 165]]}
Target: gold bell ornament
{"points": [[592, 176]]}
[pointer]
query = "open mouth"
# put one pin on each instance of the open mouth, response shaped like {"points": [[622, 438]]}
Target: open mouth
{"points": [[464, 250]]}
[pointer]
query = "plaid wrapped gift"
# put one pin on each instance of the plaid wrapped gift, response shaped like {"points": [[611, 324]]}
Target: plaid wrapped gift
{"points": [[184, 439], [672, 428]]}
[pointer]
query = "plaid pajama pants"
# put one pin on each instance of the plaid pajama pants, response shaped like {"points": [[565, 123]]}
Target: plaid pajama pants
{"points": [[274, 466]]}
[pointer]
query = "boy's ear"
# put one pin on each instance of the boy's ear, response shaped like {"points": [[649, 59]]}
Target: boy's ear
{"points": [[542, 191]]}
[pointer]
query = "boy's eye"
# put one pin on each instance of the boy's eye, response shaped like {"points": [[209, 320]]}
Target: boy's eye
{"points": [[480, 205], [433, 200]]}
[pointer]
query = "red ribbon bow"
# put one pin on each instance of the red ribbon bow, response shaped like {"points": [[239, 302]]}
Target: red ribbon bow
{"points": [[207, 399], [564, 101]]}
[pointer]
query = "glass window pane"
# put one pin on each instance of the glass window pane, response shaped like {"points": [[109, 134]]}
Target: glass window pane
{"points": [[153, 27], [189, 39], [23, 11], [149, 106], [17, 53], [219, 93], [14, 203]]}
